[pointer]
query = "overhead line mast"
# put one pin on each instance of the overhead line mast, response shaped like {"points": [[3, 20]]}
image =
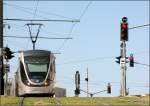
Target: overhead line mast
{"points": [[1, 49]]}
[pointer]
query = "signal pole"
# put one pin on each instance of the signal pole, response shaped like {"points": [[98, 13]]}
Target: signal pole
{"points": [[1, 51], [6, 70], [87, 79], [123, 68]]}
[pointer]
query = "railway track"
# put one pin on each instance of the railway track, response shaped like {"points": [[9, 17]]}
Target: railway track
{"points": [[55, 101], [21, 101]]}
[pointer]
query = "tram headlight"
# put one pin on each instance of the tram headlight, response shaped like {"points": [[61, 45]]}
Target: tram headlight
{"points": [[28, 83], [46, 83]]}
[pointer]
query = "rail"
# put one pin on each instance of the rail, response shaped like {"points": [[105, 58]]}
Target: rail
{"points": [[21, 101]]}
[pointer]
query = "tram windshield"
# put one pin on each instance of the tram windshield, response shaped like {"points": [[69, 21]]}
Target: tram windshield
{"points": [[37, 67]]}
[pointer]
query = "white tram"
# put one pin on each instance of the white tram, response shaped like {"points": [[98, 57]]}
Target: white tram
{"points": [[36, 73]]}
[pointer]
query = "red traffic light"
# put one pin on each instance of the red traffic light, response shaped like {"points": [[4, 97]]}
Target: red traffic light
{"points": [[124, 26], [131, 60], [124, 31]]}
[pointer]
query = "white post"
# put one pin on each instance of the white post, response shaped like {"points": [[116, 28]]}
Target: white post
{"points": [[123, 68]]}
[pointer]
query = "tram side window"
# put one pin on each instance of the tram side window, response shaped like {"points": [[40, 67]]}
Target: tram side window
{"points": [[22, 71]]}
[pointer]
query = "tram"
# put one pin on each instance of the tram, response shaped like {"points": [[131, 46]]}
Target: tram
{"points": [[36, 73]]}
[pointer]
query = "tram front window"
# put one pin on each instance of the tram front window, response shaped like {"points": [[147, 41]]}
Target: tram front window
{"points": [[37, 69]]}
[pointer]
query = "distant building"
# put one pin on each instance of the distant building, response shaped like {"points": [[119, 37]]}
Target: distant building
{"points": [[60, 92]]}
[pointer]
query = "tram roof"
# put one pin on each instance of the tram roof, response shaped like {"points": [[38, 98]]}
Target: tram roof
{"points": [[36, 53]]}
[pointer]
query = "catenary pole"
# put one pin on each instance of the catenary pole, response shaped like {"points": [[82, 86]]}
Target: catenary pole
{"points": [[1, 47]]}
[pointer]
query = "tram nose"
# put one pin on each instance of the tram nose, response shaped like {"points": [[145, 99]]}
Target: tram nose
{"points": [[37, 80]]}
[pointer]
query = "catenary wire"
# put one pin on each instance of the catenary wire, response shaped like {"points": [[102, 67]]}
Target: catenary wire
{"points": [[45, 32], [34, 37], [27, 11], [34, 15], [71, 30], [56, 20], [40, 11], [96, 58]]}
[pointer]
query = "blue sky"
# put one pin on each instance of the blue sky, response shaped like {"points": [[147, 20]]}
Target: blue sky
{"points": [[95, 43]]}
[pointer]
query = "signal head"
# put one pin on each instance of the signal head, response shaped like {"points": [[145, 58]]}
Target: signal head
{"points": [[131, 54], [8, 54], [109, 88], [131, 60], [124, 31]]}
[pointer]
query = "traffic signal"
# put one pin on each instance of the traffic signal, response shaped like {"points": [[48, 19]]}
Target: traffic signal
{"points": [[77, 80], [8, 54], [77, 77], [131, 60], [124, 29], [108, 88], [118, 59], [86, 79]]}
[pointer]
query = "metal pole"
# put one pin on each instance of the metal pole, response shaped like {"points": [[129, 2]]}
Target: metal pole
{"points": [[1, 47], [6, 81], [77, 83], [123, 68], [87, 84]]}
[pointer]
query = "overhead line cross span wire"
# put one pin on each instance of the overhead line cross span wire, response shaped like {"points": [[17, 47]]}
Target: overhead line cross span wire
{"points": [[38, 37], [57, 20]]}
